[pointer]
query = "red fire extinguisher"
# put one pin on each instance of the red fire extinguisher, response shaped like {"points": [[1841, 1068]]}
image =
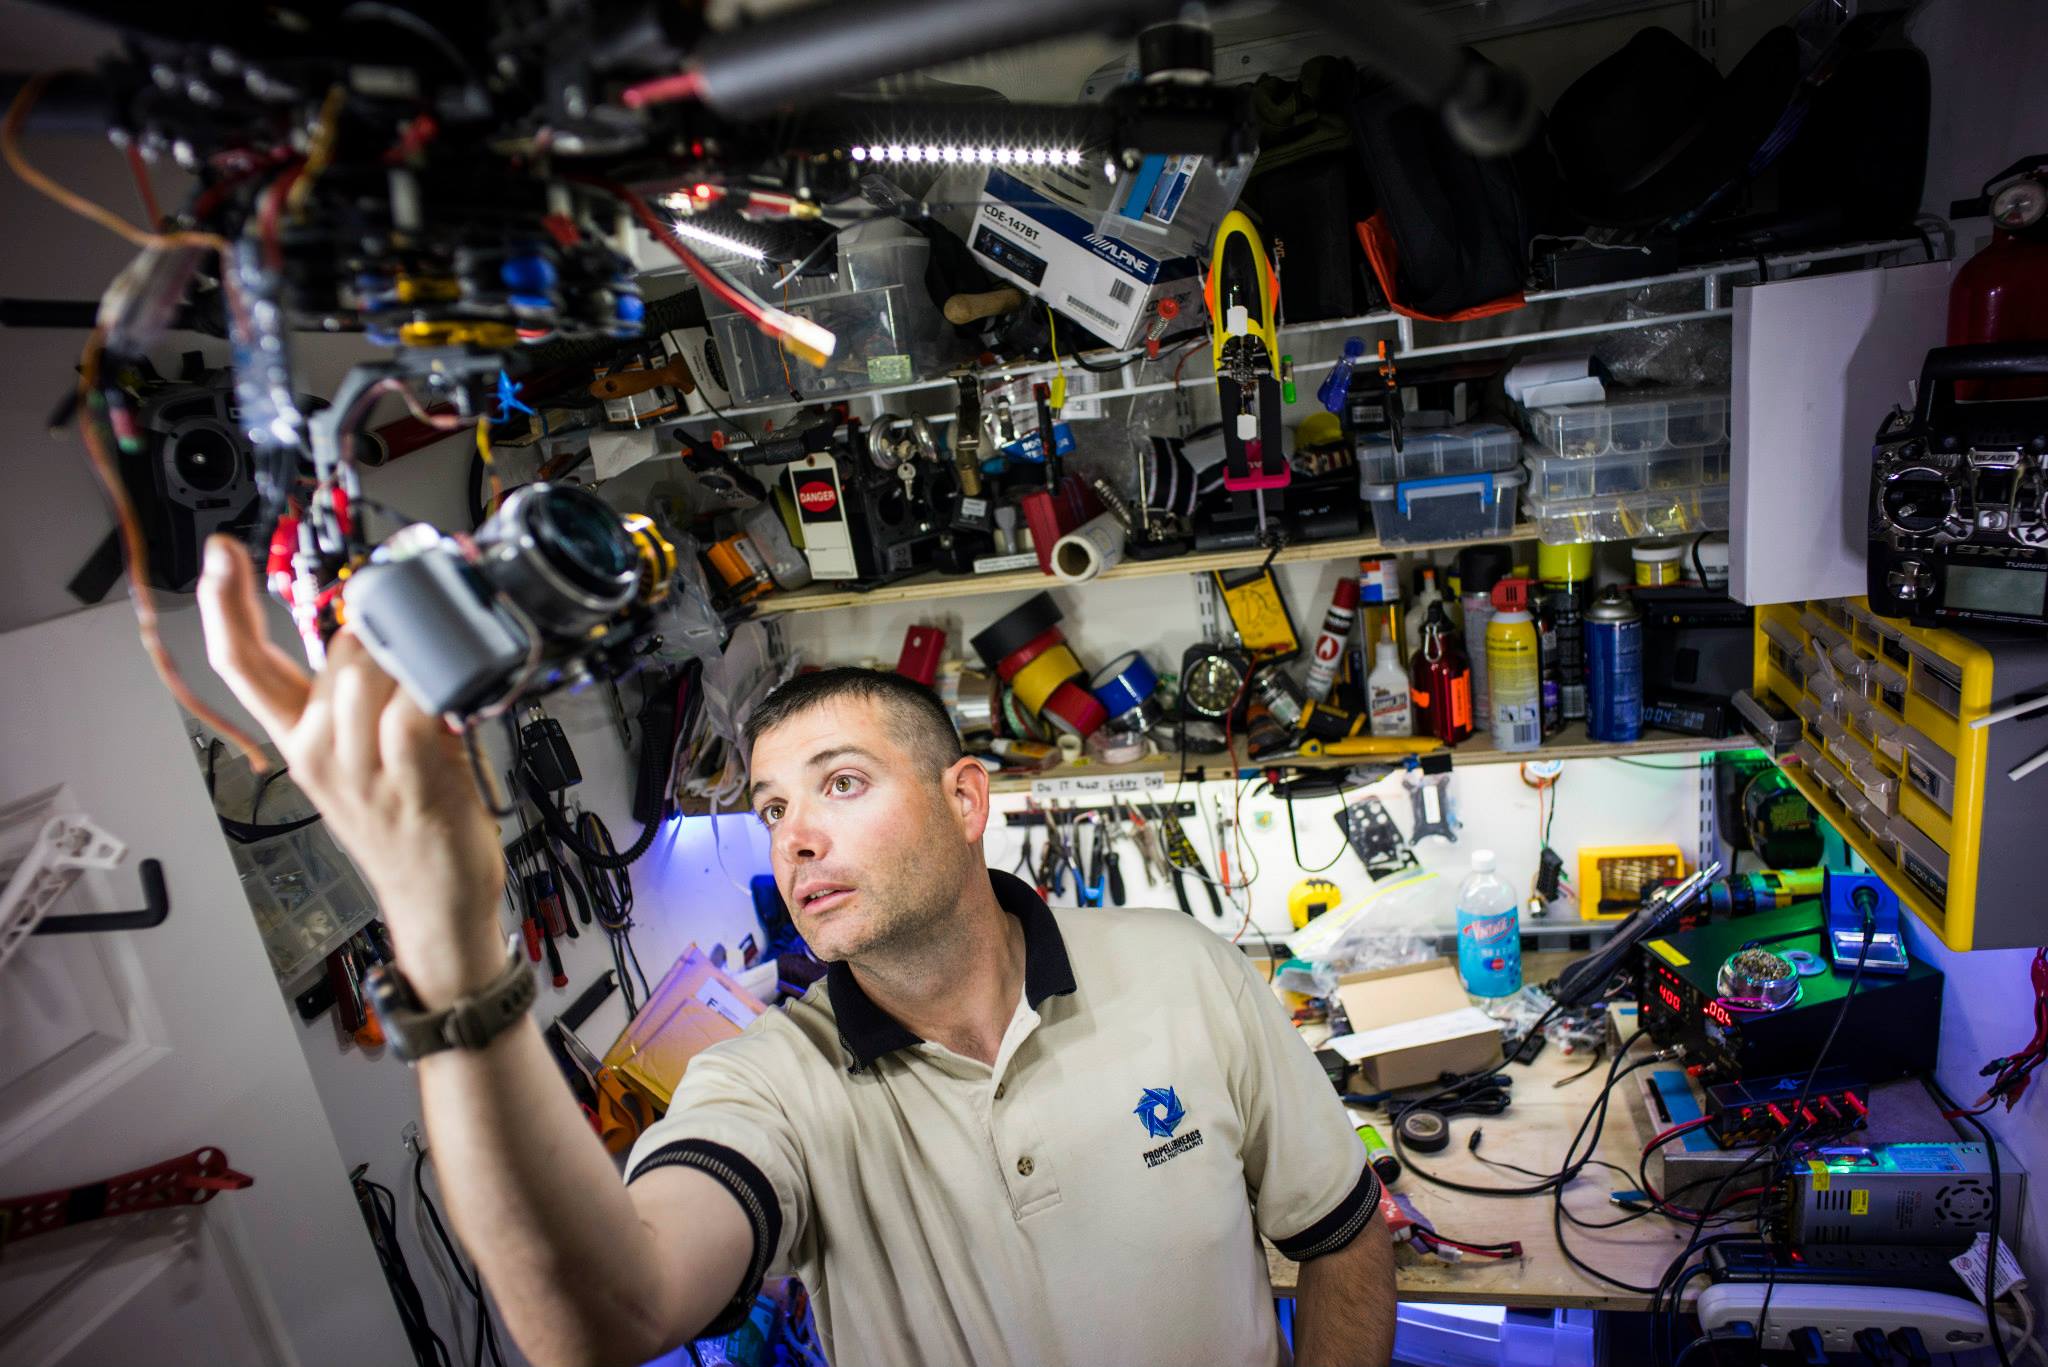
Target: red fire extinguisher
{"points": [[2001, 293]]}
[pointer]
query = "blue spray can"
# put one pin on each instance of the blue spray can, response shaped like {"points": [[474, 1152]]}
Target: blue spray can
{"points": [[1614, 668]]}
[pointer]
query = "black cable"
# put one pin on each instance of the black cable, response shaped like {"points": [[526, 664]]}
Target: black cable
{"points": [[1294, 839], [558, 826], [1991, 1248], [1112, 367], [262, 787], [429, 1349], [487, 1334]]}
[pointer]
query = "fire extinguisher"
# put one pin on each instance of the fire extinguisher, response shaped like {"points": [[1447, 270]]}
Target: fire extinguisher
{"points": [[2001, 293]]}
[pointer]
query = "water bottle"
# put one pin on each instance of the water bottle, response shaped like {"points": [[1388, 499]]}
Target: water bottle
{"points": [[1489, 932], [1335, 390]]}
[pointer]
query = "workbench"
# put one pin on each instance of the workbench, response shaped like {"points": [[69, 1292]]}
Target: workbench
{"points": [[1533, 1133]]}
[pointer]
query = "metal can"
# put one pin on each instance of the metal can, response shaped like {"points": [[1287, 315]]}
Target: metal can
{"points": [[1276, 688], [1614, 668]]}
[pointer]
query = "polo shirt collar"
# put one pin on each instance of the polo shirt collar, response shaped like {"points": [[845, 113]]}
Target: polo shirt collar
{"points": [[869, 1032]]}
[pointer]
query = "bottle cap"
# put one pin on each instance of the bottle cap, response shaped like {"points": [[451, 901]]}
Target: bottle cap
{"points": [[1570, 564], [1482, 861], [1511, 595], [1385, 654]]}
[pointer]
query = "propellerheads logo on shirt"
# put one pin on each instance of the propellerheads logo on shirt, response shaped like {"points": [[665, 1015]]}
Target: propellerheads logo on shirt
{"points": [[1160, 1112]]}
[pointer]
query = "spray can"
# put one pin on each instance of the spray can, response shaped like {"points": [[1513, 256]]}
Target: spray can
{"points": [[1440, 681], [1479, 569], [1511, 662], [1565, 571], [1329, 652], [1614, 668]]}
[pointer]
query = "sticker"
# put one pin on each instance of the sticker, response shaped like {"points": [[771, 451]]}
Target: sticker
{"points": [[1670, 955], [1859, 1200], [1969, 1265], [1819, 1171], [719, 998], [1098, 783], [817, 497]]}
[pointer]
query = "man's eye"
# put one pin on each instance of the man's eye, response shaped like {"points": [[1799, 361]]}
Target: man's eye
{"points": [[770, 814], [845, 783]]}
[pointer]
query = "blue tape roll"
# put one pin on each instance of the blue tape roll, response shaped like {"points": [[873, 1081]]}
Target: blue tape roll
{"points": [[1123, 685]]}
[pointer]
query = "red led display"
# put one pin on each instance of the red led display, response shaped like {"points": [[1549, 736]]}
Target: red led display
{"points": [[1669, 997], [1718, 1014]]}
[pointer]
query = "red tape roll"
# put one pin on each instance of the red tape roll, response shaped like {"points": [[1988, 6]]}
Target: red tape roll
{"points": [[1074, 710], [1013, 664]]}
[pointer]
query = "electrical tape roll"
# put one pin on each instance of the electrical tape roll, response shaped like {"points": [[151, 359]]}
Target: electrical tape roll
{"points": [[1074, 711], [1425, 1132], [1036, 681], [1013, 663], [1124, 684], [1016, 629]]}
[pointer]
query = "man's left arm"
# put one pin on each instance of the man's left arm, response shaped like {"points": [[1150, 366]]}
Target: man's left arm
{"points": [[1312, 1191], [1344, 1304]]}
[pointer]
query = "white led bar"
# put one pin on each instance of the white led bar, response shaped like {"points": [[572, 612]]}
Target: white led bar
{"points": [[967, 154]]}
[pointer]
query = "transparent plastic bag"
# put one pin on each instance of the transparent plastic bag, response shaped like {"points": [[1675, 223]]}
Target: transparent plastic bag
{"points": [[1396, 922]]}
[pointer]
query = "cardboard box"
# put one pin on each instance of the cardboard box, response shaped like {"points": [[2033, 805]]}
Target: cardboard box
{"points": [[1410, 1023], [1020, 233]]}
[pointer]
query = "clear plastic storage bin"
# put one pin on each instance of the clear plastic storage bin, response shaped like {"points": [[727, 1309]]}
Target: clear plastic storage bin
{"points": [[1581, 430], [1446, 508], [1426, 454], [1628, 517], [1553, 478], [875, 304]]}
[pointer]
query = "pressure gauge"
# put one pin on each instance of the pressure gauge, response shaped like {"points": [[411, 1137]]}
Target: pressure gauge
{"points": [[1212, 680]]}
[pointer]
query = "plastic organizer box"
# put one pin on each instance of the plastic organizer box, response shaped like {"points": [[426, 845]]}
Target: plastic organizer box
{"points": [[874, 303], [1627, 517], [1554, 479], [1651, 422], [1472, 506], [1429, 452]]}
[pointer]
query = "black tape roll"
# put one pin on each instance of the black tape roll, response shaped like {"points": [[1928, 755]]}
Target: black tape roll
{"points": [[1015, 629], [1425, 1132]]}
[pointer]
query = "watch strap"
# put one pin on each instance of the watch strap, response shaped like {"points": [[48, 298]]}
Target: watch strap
{"points": [[469, 1022]]}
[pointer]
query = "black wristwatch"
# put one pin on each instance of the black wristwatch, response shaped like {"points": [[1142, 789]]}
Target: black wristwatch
{"points": [[469, 1022]]}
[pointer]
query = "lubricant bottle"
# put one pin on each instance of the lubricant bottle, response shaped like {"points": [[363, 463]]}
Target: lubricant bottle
{"points": [[1614, 668], [1440, 681], [1387, 694], [1516, 723], [1564, 573]]}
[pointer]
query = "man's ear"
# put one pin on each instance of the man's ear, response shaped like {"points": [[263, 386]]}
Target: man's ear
{"points": [[966, 788]]}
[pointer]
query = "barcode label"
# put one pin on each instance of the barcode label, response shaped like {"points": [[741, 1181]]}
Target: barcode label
{"points": [[1121, 291], [1097, 314]]}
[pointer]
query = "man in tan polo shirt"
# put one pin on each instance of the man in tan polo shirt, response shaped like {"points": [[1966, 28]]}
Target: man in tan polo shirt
{"points": [[996, 1133]]}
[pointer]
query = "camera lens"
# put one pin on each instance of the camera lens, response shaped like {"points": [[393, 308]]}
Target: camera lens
{"points": [[580, 534], [561, 555]]}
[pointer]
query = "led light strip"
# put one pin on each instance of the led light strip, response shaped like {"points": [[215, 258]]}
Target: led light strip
{"points": [[717, 241], [967, 154]]}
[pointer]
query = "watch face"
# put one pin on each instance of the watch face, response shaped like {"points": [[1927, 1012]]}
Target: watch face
{"points": [[1211, 683]]}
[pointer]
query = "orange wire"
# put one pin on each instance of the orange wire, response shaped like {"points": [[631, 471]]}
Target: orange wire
{"points": [[135, 553]]}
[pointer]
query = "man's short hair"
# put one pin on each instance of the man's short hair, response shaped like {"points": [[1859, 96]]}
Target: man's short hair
{"points": [[916, 718]]}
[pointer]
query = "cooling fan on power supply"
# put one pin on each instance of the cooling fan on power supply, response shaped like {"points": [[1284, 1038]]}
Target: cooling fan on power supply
{"points": [[1964, 1203]]}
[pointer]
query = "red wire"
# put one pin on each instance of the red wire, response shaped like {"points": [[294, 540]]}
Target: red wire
{"points": [[144, 188], [1673, 1132], [684, 85], [739, 299]]}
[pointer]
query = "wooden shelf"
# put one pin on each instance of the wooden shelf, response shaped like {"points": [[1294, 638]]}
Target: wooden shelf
{"points": [[1571, 743], [926, 587]]}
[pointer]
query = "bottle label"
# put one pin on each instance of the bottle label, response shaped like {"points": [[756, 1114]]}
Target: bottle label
{"points": [[1490, 952], [1461, 701]]}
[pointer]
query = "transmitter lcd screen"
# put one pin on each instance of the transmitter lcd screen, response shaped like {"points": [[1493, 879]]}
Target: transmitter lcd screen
{"points": [[2021, 593]]}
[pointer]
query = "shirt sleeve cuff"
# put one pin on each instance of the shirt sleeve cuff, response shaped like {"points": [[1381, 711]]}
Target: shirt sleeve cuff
{"points": [[1340, 1226], [750, 1187]]}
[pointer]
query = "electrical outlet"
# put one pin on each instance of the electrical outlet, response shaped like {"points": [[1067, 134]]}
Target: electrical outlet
{"points": [[410, 1136]]}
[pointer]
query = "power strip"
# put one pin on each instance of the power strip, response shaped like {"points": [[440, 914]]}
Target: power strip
{"points": [[1946, 1324]]}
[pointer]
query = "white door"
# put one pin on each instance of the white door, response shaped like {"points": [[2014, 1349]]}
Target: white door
{"points": [[121, 1050]]}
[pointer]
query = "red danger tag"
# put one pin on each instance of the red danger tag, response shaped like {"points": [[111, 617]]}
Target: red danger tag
{"points": [[818, 497]]}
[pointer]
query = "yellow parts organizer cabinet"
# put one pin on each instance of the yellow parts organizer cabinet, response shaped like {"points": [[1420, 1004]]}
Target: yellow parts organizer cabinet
{"points": [[1887, 754]]}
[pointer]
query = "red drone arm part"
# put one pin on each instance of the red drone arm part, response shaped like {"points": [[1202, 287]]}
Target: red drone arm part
{"points": [[191, 1180]]}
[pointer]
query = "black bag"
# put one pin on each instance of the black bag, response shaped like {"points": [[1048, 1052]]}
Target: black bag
{"points": [[1459, 226]]}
